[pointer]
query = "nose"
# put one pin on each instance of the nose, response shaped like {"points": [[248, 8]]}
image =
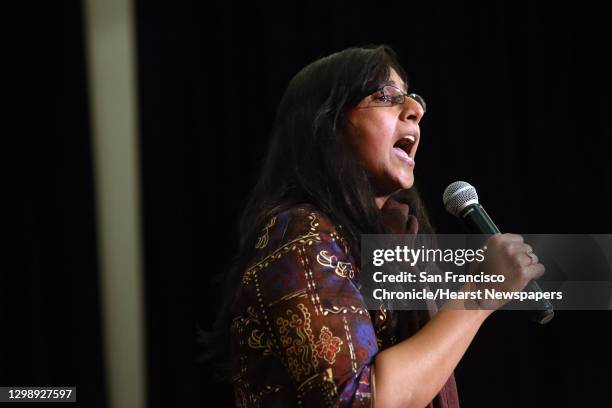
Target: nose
{"points": [[412, 110]]}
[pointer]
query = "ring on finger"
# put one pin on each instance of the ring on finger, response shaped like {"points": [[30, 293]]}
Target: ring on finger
{"points": [[531, 256]]}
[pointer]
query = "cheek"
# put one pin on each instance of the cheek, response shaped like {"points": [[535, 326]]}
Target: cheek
{"points": [[373, 137], [377, 141], [370, 145]]}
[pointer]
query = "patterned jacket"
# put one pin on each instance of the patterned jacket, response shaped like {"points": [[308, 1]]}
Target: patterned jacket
{"points": [[301, 335]]}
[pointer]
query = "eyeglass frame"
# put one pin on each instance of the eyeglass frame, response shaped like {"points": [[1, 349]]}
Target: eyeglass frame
{"points": [[415, 97]]}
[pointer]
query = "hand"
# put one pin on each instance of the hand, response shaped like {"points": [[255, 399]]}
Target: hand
{"points": [[510, 256]]}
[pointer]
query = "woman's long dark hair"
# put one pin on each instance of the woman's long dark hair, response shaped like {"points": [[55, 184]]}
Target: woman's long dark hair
{"points": [[306, 162]]}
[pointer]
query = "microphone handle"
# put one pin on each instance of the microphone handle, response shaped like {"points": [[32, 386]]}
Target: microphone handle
{"points": [[478, 221]]}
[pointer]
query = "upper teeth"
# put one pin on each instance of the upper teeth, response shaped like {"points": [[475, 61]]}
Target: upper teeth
{"points": [[411, 138]]}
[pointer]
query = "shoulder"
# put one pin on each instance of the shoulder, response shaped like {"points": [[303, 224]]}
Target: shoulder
{"points": [[300, 237], [300, 224]]}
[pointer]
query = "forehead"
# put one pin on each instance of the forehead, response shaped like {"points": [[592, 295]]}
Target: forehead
{"points": [[395, 79]]}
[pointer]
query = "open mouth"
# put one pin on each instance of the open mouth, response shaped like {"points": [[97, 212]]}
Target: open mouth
{"points": [[405, 145]]}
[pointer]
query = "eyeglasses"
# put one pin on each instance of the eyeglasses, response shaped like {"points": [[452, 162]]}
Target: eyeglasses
{"points": [[391, 95]]}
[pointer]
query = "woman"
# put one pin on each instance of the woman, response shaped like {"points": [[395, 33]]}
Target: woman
{"points": [[294, 327]]}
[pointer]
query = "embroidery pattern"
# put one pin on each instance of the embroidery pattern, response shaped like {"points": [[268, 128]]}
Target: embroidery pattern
{"points": [[313, 222], [310, 283], [344, 309], [263, 239], [335, 236], [300, 293], [300, 359], [292, 245], [328, 345], [258, 340], [342, 269], [350, 344]]}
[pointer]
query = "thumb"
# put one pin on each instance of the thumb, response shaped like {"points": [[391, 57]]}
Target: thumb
{"points": [[412, 225]]}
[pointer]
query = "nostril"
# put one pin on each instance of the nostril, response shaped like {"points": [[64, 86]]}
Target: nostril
{"points": [[414, 116]]}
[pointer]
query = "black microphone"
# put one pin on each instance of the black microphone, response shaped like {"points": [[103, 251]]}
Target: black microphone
{"points": [[461, 200]]}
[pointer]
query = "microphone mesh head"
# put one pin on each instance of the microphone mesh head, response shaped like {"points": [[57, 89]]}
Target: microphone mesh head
{"points": [[459, 195]]}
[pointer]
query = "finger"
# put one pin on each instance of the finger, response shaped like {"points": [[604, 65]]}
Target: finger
{"points": [[528, 258], [413, 225], [520, 247], [532, 255], [535, 271], [526, 254], [513, 237]]}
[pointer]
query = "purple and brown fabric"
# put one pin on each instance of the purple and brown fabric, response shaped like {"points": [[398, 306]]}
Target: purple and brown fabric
{"points": [[301, 335]]}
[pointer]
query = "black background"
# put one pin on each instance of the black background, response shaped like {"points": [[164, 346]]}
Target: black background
{"points": [[517, 105]]}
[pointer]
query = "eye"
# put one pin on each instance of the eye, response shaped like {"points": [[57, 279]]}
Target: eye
{"points": [[398, 99], [392, 95], [382, 97]]}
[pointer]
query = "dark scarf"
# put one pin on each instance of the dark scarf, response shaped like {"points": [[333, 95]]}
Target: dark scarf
{"points": [[397, 218]]}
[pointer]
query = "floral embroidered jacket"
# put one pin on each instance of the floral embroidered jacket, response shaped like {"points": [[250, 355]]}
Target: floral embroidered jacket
{"points": [[301, 335]]}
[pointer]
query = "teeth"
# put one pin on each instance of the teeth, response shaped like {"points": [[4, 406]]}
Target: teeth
{"points": [[411, 138]]}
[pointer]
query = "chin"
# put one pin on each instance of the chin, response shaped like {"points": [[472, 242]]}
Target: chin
{"points": [[407, 186], [407, 182]]}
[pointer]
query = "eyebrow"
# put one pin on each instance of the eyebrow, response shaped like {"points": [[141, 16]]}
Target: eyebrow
{"points": [[392, 82]]}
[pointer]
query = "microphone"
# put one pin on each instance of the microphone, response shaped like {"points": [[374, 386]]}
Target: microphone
{"points": [[460, 199]]}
